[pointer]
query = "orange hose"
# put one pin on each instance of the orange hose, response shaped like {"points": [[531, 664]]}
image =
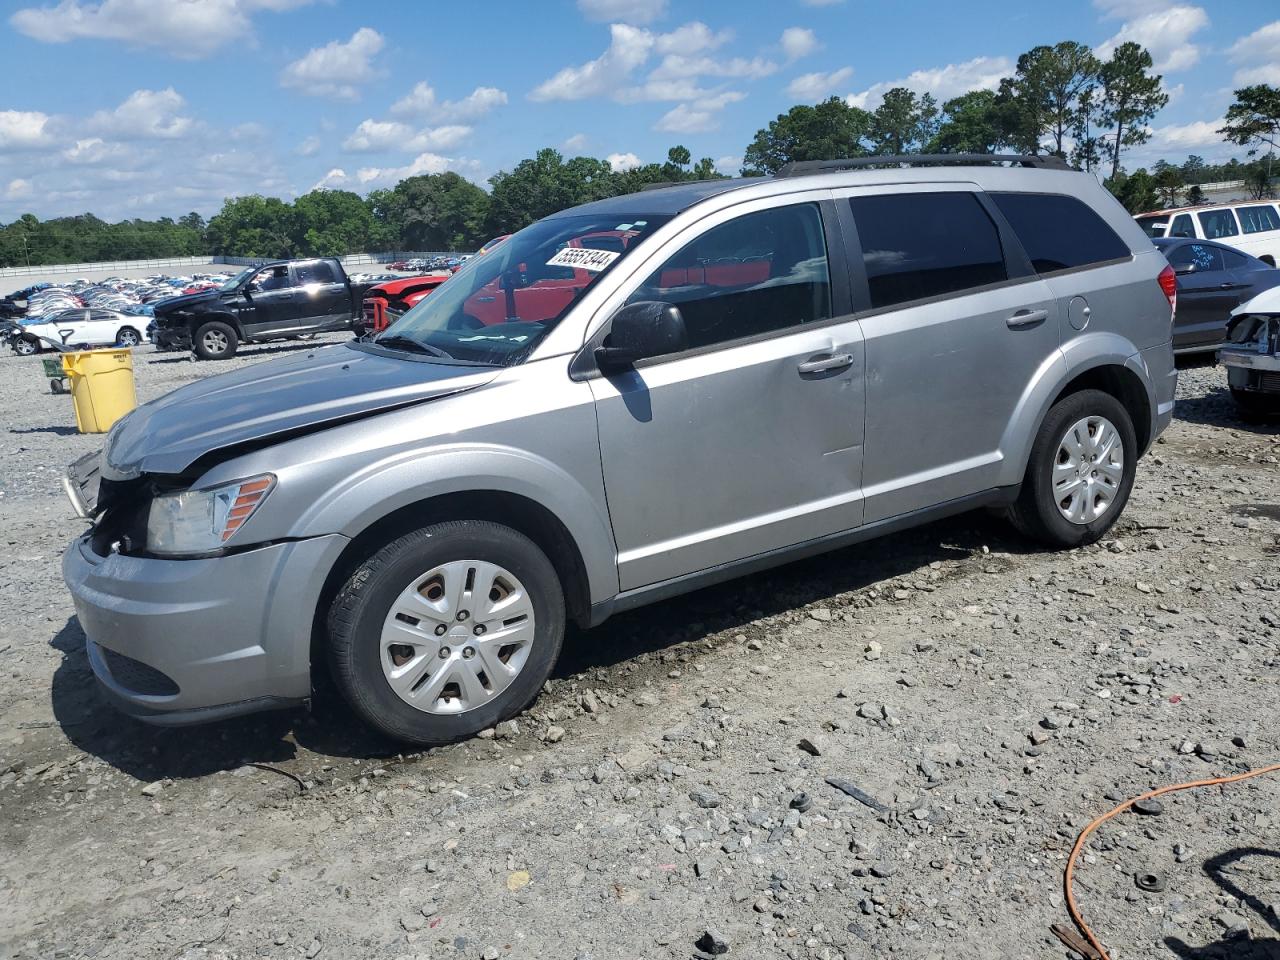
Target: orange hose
{"points": [[1072, 908]]}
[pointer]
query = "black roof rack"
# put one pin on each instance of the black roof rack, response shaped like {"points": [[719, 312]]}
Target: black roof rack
{"points": [[803, 167], [679, 183]]}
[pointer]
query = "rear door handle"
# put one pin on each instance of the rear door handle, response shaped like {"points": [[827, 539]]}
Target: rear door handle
{"points": [[837, 362], [1027, 318]]}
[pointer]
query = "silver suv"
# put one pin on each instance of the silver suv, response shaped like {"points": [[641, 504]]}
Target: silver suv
{"points": [[623, 402]]}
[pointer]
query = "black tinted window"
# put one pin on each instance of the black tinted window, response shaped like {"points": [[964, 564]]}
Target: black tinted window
{"points": [[316, 271], [918, 245], [758, 273], [1182, 226], [273, 278], [1199, 255], [1232, 260], [1218, 223], [1059, 232]]}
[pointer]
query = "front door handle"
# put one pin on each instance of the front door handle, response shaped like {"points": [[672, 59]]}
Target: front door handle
{"points": [[837, 362], [1027, 318]]}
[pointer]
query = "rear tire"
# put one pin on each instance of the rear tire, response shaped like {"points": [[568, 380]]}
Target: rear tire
{"points": [[1257, 405], [215, 340], [464, 659], [128, 337], [1067, 499]]}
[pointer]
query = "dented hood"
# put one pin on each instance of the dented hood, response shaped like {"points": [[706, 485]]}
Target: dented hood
{"points": [[286, 396]]}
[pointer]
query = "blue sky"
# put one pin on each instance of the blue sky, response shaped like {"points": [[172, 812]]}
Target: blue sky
{"points": [[150, 107]]}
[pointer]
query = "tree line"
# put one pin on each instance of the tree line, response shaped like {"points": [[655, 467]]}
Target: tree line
{"points": [[1061, 100]]}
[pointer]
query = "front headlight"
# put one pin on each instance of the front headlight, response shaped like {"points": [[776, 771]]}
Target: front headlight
{"points": [[202, 521]]}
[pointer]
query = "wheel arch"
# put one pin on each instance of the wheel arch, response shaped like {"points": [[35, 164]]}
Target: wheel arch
{"points": [[519, 512]]}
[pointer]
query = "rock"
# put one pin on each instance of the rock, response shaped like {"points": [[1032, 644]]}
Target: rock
{"points": [[821, 613], [313, 950], [153, 789], [802, 802], [1233, 925], [518, 880], [1054, 721], [873, 650], [553, 734], [489, 953], [707, 799], [507, 730], [762, 905], [412, 922], [1150, 807], [871, 711], [712, 942], [814, 744]]}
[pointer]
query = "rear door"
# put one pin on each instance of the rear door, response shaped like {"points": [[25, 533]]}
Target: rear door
{"points": [[956, 326], [1206, 295]]}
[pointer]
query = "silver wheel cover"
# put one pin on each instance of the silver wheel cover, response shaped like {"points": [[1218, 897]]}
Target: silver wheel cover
{"points": [[215, 341], [457, 637], [1088, 469]]}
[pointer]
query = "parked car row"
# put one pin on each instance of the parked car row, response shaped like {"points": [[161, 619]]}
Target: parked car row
{"points": [[1251, 227]]}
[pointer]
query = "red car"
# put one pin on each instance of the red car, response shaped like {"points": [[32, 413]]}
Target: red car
{"points": [[384, 303]]}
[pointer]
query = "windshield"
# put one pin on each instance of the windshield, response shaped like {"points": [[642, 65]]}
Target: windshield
{"points": [[238, 279], [1153, 226], [497, 307]]}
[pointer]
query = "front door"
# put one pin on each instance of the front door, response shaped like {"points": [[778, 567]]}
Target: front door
{"points": [[276, 304], [751, 439]]}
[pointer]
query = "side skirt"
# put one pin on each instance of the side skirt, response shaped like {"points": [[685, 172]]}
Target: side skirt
{"points": [[665, 589]]}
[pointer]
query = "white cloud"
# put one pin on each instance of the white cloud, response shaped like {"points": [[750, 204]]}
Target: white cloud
{"points": [[1200, 133], [980, 73], [418, 102], [23, 129], [17, 189], [332, 180], [798, 42], [633, 11], [700, 116], [576, 142], [684, 53], [730, 164], [374, 135], [629, 47], [1259, 55], [1166, 33], [309, 147], [145, 115], [475, 104], [188, 29], [620, 162], [814, 86], [95, 150], [337, 69]]}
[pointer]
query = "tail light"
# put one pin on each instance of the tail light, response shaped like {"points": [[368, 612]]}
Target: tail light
{"points": [[1168, 281]]}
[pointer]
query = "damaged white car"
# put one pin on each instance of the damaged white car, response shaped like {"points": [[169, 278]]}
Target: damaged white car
{"points": [[1252, 355]]}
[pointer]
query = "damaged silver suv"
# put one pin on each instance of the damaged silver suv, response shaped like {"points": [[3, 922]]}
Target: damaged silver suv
{"points": [[623, 402]]}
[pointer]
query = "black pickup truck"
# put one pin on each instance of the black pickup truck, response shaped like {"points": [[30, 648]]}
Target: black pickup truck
{"points": [[286, 298]]}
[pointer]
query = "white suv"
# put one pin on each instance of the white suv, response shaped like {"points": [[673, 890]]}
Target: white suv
{"points": [[1252, 227]]}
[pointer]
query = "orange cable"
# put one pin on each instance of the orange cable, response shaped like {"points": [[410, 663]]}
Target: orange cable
{"points": [[1072, 908]]}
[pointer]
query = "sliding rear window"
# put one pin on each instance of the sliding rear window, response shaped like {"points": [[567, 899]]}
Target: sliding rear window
{"points": [[1059, 232]]}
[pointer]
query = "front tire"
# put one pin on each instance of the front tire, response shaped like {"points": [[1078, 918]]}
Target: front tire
{"points": [[215, 340], [26, 346], [1080, 472], [447, 631]]}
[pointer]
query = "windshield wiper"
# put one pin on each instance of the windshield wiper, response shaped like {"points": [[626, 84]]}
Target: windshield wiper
{"points": [[415, 346]]}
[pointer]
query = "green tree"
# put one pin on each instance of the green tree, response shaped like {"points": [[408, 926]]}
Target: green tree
{"points": [[1253, 120], [440, 211], [903, 122], [1089, 132], [1047, 85], [253, 226], [330, 223], [543, 184], [1168, 182], [1193, 169], [971, 123], [1195, 196], [679, 156], [1131, 96], [830, 130], [1136, 191]]}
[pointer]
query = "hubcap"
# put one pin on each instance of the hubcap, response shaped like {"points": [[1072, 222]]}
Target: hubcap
{"points": [[1088, 469], [129, 339], [215, 341], [26, 348], [457, 637]]}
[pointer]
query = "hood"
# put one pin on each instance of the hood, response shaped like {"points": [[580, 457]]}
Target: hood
{"points": [[283, 396], [186, 300], [1266, 302]]}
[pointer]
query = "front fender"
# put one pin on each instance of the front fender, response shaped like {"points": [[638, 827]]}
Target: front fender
{"points": [[365, 497], [1083, 353]]}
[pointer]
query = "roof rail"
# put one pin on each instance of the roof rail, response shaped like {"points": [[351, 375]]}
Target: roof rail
{"points": [[679, 183], [804, 167]]}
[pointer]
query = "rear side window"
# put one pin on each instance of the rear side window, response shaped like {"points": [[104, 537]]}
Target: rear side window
{"points": [[1217, 224], [919, 245], [753, 275], [1199, 255], [1182, 226], [1258, 219], [1059, 232], [1152, 226], [317, 271], [1234, 261]]}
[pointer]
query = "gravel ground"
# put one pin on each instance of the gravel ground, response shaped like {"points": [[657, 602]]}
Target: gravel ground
{"points": [[670, 791]]}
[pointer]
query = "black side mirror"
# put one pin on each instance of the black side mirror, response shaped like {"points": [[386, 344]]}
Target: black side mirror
{"points": [[1183, 269], [648, 328]]}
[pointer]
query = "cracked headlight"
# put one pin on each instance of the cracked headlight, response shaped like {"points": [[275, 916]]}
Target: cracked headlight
{"points": [[202, 521]]}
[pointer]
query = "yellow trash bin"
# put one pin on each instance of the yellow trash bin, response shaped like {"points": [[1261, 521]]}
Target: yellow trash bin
{"points": [[101, 386]]}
